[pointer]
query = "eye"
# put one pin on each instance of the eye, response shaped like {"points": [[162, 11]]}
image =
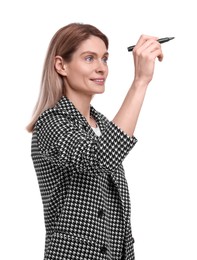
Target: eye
{"points": [[89, 58], [105, 59]]}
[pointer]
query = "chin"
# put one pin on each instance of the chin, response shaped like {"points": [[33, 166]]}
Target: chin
{"points": [[100, 90]]}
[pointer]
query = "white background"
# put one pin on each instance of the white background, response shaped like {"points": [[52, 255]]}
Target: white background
{"points": [[161, 169]]}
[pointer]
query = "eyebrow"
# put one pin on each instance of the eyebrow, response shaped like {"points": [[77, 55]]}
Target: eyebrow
{"points": [[93, 53]]}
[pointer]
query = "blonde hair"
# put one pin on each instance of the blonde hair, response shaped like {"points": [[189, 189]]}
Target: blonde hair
{"points": [[64, 43]]}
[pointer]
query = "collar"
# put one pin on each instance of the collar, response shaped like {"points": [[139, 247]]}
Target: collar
{"points": [[66, 106]]}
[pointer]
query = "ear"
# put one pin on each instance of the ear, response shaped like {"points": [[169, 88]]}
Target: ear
{"points": [[60, 66]]}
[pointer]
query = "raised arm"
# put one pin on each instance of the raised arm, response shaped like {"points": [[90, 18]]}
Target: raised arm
{"points": [[145, 53]]}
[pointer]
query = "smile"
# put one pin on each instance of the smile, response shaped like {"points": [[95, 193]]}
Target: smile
{"points": [[99, 81]]}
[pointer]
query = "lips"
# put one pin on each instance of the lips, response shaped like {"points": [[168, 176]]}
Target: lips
{"points": [[99, 81]]}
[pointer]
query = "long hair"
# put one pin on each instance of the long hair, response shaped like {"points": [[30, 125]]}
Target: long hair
{"points": [[64, 43]]}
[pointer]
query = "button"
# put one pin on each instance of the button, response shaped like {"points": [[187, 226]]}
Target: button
{"points": [[103, 250], [101, 213]]}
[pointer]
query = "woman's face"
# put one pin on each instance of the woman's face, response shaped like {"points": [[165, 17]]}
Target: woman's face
{"points": [[88, 70]]}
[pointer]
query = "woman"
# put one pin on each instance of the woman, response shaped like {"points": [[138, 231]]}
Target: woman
{"points": [[78, 153]]}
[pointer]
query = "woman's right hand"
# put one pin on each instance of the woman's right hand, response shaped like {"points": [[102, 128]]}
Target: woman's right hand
{"points": [[145, 52]]}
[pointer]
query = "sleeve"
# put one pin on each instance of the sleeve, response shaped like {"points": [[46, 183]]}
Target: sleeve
{"points": [[65, 144]]}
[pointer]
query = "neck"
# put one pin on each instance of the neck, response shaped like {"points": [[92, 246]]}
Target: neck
{"points": [[82, 103]]}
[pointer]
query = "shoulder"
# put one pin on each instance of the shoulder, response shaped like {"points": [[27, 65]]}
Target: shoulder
{"points": [[59, 114], [52, 123], [50, 117], [51, 126]]}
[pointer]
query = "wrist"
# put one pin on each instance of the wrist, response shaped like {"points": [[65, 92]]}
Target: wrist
{"points": [[139, 84]]}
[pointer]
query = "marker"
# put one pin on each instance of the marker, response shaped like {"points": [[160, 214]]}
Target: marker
{"points": [[161, 40]]}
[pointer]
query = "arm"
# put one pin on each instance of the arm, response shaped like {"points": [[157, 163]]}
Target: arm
{"points": [[145, 52], [64, 143]]}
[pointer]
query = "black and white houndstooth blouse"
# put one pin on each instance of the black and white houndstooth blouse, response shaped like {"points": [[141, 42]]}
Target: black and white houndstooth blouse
{"points": [[83, 187]]}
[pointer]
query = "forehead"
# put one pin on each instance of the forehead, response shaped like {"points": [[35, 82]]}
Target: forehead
{"points": [[93, 44]]}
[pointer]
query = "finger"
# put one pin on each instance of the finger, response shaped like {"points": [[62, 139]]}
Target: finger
{"points": [[151, 47], [157, 54], [148, 44], [143, 38], [155, 48]]}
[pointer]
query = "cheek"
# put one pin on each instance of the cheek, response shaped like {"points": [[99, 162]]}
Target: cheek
{"points": [[77, 79], [80, 72]]}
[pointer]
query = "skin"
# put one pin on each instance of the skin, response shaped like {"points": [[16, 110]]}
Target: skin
{"points": [[85, 76]]}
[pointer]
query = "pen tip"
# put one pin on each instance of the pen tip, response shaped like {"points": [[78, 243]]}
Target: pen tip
{"points": [[171, 38]]}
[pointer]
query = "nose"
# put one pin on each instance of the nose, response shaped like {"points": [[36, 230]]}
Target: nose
{"points": [[101, 67]]}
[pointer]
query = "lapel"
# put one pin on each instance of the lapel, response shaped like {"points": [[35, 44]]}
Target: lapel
{"points": [[66, 106]]}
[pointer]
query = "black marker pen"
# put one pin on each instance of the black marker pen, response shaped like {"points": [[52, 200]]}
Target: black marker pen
{"points": [[161, 40]]}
